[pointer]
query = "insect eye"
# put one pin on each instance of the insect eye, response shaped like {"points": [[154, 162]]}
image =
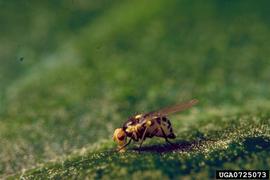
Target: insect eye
{"points": [[121, 137]]}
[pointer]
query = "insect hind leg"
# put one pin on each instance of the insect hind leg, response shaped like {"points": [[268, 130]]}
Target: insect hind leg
{"points": [[171, 136], [165, 136]]}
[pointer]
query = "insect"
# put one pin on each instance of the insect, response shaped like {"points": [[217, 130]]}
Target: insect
{"points": [[148, 125]]}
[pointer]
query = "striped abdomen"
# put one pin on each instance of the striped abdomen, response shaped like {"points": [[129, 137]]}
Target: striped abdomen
{"points": [[155, 130]]}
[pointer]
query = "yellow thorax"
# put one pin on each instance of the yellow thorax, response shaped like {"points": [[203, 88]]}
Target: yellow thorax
{"points": [[134, 128]]}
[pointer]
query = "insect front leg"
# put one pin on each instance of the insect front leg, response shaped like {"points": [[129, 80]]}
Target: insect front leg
{"points": [[125, 145]]}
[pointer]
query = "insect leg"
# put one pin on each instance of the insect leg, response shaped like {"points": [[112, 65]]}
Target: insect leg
{"points": [[143, 136], [125, 145], [165, 136]]}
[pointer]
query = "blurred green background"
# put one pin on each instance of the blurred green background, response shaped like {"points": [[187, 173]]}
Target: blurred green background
{"points": [[73, 71]]}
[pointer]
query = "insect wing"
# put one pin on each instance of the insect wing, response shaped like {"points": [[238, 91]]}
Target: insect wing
{"points": [[174, 109]]}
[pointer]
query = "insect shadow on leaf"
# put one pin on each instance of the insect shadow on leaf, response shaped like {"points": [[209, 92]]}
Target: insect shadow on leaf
{"points": [[180, 145]]}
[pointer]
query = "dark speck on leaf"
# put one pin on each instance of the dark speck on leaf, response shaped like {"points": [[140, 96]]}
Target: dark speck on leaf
{"points": [[99, 47]]}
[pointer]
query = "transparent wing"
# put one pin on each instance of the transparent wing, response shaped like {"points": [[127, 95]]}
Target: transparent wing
{"points": [[174, 109]]}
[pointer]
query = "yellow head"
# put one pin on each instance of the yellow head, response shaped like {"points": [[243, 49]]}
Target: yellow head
{"points": [[120, 137]]}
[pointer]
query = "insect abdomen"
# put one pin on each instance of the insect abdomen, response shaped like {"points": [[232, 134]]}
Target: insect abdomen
{"points": [[166, 126]]}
